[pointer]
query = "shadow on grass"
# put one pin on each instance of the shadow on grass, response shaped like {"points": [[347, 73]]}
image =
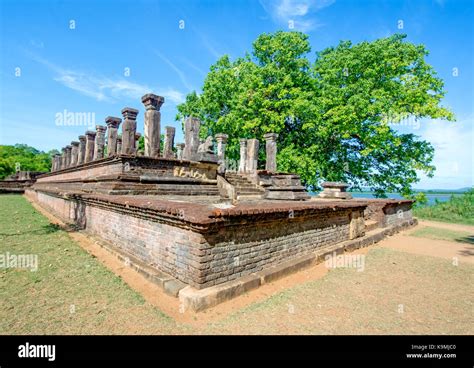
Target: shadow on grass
{"points": [[44, 230], [466, 239]]}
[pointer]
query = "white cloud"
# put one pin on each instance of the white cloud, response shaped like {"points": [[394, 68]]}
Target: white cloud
{"points": [[105, 88], [454, 153], [178, 71], [297, 11]]}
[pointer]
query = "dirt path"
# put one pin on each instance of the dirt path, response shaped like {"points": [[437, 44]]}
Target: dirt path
{"points": [[429, 247], [170, 305], [446, 225], [464, 253]]}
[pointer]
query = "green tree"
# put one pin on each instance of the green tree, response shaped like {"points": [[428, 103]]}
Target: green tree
{"points": [[331, 115], [24, 156]]}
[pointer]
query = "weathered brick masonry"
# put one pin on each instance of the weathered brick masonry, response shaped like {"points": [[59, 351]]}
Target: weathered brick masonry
{"points": [[204, 246]]}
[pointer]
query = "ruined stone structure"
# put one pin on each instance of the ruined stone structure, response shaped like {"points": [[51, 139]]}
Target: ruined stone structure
{"points": [[90, 142], [199, 230], [112, 135], [18, 182], [129, 131], [335, 190], [191, 135], [82, 150], [169, 142], [152, 124], [99, 143]]}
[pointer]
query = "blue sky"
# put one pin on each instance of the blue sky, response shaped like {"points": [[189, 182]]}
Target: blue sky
{"points": [[100, 56]]}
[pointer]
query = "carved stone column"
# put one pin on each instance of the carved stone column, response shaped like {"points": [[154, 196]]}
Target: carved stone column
{"points": [[221, 144], [113, 124], [56, 163], [74, 153], [271, 151], [180, 151], [252, 155], [119, 145], [99, 142], [68, 156], [137, 139], [82, 150], [243, 155], [63, 158], [169, 142], [90, 141], [191, 136], [129, 129], [152, 124]]}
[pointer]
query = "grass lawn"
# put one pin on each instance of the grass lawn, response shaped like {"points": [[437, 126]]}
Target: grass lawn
{"points": [[73, 293], [443, 234], [397, 293]]}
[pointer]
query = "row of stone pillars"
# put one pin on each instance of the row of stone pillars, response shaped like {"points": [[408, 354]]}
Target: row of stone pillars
{"points": [[249, 154], [91, 146]]}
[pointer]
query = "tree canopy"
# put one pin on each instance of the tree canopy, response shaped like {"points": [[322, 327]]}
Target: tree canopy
{"points": [[335, 115], [28, 158]]}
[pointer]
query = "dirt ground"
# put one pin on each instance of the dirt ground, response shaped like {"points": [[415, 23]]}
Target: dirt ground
{"points": [[409, 285]]}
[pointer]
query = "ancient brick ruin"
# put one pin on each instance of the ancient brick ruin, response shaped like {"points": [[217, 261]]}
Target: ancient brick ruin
{"points": [[180, 216]]}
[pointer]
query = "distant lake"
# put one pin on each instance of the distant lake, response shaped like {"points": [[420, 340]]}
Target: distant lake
{"points": [[431, 197]]}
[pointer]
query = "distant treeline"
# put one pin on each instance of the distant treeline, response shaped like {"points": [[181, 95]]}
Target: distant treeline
{"points": [[24, 158], [459, 209], [426, 191]]}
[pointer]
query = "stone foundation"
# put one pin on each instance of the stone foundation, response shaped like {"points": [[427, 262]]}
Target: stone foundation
{"points": [[201, 245], [134, 175]]}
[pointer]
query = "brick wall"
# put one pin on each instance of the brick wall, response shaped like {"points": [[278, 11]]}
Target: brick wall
{"points": [[134, 166], [230, 250], [397, 213]]}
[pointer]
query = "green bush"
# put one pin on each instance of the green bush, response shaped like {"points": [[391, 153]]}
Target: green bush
{"points": [[28, 159], [459, 209]]}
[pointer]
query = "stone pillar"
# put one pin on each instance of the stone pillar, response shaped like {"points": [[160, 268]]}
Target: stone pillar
{"points": [[58, 162], [221, 144], [129, 129], [82, 150], [74, 153], [55, 162], [90, 138], [99, 142], [243, 155], [180, 151], [252, 155], [113, 124], [68, 156], [169, 142], [191, 136], [63, 159], [152, 124], [119, 145], [271, 151], [137, 138]]}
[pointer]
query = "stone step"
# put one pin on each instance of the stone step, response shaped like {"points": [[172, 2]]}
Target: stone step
{"points": [[249, 197], [249, 192], [246, 186], [371, 225]]}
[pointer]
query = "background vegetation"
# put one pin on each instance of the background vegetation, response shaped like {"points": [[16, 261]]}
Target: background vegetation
{"points": [[459, 209], [334, 115], [28, 158]]}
